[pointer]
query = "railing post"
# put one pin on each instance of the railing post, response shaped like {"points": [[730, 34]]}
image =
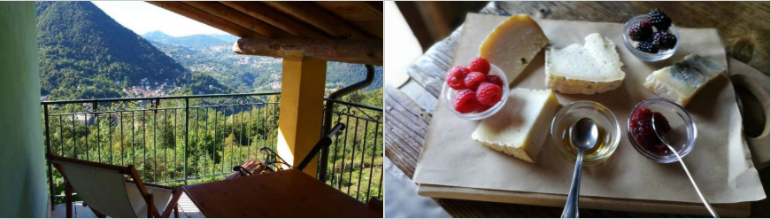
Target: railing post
{"points": [[98, 135], [327, 124], [187, 134], [324, 156], [48, 150]]}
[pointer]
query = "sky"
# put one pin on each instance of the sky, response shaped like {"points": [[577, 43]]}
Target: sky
{"points": [[142, 17]]}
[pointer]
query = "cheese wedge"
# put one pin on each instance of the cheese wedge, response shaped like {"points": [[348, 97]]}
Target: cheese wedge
{"points": [[681, 81], [521, 126], [513, 44], [592, 68]]}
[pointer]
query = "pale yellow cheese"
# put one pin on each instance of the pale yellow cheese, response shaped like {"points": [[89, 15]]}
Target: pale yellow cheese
{"points": [[513, 44], [681, 81], [520, 128]]}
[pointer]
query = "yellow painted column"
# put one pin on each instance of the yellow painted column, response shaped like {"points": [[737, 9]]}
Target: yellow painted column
{"points": [[302, 102]]}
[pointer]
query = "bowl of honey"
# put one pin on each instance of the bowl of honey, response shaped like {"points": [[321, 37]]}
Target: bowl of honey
{"points": [[609, 131]]}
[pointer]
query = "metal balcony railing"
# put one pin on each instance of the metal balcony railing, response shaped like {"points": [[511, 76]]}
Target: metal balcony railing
{"points": [[354, 162], [178, 140]]}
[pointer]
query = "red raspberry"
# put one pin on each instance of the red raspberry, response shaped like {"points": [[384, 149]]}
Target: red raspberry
{"points": [[465, 101], [489, 94], [479, 64], [473, 80], [455, 77], [482, 108], [495, 80]]}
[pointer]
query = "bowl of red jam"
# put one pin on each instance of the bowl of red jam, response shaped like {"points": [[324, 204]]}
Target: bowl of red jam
{"points": [[672, 119]]}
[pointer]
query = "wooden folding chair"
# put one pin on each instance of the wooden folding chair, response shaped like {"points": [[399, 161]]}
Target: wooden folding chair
{"points": [[257, 167], [108, 192]]}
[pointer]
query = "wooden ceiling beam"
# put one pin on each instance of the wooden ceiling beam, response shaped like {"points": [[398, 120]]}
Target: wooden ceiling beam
{"points": [[280, 20], [206, 18], [367, 51], [311, 13], [375, 7], [241, 19], [363, 15]]}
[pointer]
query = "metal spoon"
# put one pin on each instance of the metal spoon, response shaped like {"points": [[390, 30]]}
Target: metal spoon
{"points": [[664, 137], [583, 136]]}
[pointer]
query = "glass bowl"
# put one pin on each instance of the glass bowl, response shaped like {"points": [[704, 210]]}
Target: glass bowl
{"points": [[648, 57], [608, 127], [448, 96], [683, 133]]}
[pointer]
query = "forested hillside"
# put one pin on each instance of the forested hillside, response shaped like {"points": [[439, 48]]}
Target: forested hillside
{"points": [[197, 40], [86, 54], [246, 73]]}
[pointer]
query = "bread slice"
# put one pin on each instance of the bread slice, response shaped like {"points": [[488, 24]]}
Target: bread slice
{"points": [[520, 128], [592, 68], [681, 81]]}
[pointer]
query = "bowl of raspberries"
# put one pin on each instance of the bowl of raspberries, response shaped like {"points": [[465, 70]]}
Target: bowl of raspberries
{"points": [[651, 37], [476, 91]]}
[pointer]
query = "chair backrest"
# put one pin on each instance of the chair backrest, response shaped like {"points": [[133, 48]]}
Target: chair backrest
{"points": [[273, 158], [101, 186], [161, 197], [323, 143]]}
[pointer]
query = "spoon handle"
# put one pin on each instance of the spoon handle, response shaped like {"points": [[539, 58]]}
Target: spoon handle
{"points": [[571, 205], [704, 200]]}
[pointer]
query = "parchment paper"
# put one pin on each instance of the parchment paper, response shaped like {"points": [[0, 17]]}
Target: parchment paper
{"points": [[720, 162]]}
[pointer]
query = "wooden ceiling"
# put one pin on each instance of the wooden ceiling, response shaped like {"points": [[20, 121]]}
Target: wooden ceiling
{"points": [[298, 23]]}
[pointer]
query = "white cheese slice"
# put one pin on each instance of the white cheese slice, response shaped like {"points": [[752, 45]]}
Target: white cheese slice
{"points": [[592, 68], [513, 44], [520, 128], [681, 81]]}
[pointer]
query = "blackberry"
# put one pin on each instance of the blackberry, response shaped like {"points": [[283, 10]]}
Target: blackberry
{"points": [[664, 40], [659, 20], [647, 46], [641, 31]]}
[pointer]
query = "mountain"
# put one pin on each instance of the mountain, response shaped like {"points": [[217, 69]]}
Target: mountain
{"points": [[246, 73], [84, 53], [156, 35], [198, 40], [226, 37]]}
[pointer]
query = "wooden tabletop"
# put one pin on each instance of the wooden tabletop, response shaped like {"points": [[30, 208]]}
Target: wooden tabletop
{"points": [[282, 194], [743, 27]]}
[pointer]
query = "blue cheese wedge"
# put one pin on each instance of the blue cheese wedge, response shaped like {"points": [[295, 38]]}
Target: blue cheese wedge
{"points": [[584, 69], [681, 81], [520, 128]]}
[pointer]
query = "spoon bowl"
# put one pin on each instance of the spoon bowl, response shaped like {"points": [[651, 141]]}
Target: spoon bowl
{"points": [[583, 134], [583, 137]]}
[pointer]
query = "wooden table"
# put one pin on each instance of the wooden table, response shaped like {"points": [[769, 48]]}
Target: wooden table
{"points": [[743, 27], [289, 193]]}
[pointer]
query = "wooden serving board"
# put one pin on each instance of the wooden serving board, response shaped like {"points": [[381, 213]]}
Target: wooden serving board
{"points": [[438, 190]]}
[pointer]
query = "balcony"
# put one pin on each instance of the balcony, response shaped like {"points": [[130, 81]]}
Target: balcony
{"points": [[190, 140], [183, 140]]}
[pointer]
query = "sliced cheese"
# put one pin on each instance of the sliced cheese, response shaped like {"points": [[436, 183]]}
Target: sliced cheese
{"points": [[592, 68], [513, 44], [681, 81], [521, 126]]}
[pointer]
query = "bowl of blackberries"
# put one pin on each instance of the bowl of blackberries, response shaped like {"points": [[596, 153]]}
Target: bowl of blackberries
{"points": [[651, 37]]}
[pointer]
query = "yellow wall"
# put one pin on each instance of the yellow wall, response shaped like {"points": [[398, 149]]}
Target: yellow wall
{"points": [[300, 116]]}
